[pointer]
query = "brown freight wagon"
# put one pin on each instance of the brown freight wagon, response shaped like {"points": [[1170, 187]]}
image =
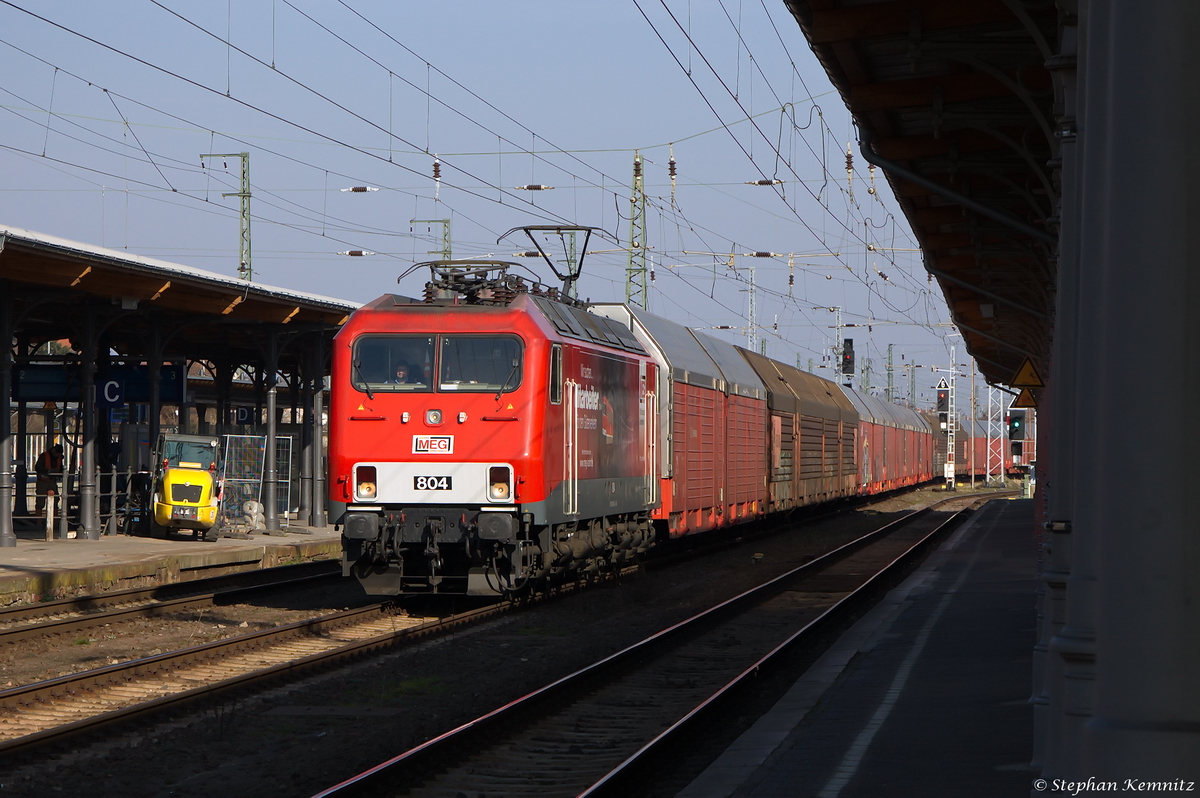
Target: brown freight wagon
{"points": [[813, 429]]}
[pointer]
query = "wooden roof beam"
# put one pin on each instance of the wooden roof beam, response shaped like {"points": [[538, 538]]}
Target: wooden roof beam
{"points": [[896, 18], [920, 92]]}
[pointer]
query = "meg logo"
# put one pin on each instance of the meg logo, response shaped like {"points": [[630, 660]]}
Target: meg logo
{"points": [[433, 444]]}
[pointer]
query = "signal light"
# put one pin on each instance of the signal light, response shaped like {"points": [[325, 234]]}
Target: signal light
{"points": [[1016, 425], [848, 356], [943, 408]]}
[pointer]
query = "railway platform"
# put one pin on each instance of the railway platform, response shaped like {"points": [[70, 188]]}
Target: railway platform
{"points": [[37, 569], [927, 694]]}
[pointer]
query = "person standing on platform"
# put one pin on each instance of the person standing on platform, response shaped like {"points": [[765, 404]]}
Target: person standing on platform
{"points": [[48, 468]]}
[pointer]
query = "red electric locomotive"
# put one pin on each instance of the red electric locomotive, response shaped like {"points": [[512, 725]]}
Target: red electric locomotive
{"points": [[491, 435]]}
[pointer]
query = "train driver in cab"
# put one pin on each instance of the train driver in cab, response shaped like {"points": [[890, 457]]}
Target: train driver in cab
{"points": [[405, 375]]}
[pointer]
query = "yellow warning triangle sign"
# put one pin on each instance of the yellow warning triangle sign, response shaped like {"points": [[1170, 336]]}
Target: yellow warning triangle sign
{"points": [[1024, 399], [1027, 377]]}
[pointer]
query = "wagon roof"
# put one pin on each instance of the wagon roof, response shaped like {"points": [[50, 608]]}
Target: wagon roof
{"points": [[790, 390]]}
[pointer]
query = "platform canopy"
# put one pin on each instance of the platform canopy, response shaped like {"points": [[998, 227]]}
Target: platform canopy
{"points": [[55, 283], [957, 103]]}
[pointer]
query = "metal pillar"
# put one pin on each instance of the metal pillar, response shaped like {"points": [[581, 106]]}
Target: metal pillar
{"points": [[952, 420], [320, 516], [223, 377], [891, 388], [154, 361], [186, 407], [270, 458], [7, 321], [21, 483], [260, 393], [974, 418], [995, 438], [635, 271], [752, 335], [245, 268], [88, 506], [64, 486], [306, 437]]}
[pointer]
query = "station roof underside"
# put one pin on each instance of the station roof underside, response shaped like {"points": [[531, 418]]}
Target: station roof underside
{"points": [[59, 287], [956, 102]]}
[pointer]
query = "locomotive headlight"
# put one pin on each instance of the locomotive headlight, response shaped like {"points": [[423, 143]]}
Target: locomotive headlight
{"points": [[500, 484], [365, 485], [433, 417]]}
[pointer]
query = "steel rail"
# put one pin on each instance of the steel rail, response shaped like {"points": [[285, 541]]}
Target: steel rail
{"points": [[621, 780], [125, 674], [23, 612], [431, 754], [146, 602]]}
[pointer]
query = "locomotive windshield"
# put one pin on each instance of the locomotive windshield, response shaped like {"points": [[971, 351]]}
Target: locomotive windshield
{"points": [[480, 363], [392, 363]]}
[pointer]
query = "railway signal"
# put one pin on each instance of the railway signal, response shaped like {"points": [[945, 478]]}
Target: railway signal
{"points": [[1016, 425], [943, 406]]}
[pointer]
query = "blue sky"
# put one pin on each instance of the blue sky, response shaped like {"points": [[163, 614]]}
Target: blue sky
{"points": [[106, 108]]}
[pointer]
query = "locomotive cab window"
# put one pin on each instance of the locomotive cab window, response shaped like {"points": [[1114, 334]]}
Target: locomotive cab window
{"points": [[480, 363], [399, 363], [556, 372]]}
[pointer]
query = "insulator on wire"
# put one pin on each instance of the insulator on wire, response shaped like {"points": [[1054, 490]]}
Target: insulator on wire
{"points": [[849, 171], [437, 170], [671, 172]]}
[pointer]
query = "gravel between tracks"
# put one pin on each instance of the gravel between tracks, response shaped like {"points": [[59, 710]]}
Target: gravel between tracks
{"points": [[36, 659], [297, 739]]}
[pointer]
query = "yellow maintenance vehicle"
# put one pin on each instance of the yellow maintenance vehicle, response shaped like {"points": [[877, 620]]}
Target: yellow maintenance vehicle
{"points": [[186, 490]]}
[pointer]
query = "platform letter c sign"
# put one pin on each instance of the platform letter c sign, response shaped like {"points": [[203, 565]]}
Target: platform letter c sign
{"points": [[111, 393]]}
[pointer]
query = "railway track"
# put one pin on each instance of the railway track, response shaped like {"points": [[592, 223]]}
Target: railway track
{"points": [[586, 733], [53, 708], [65, 616], [36, 713]]}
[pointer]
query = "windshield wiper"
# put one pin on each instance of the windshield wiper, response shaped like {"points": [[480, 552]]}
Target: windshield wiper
{"points": [[516, 365], [367, 388]]}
